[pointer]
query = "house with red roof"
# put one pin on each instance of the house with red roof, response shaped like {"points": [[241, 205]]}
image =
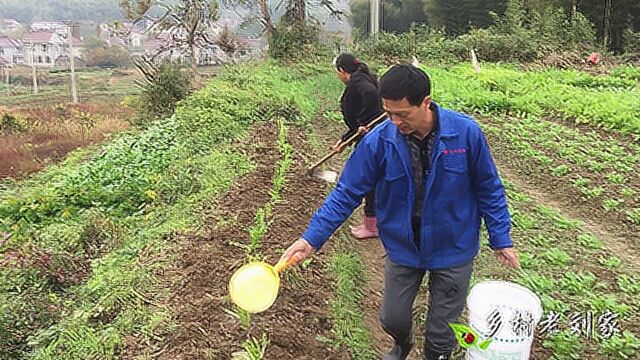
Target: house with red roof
{"points": [[10, 50], [126, 34], [45, 48]]}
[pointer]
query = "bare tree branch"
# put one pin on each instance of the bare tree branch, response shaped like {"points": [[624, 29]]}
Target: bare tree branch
{"points": [[184, 25]]}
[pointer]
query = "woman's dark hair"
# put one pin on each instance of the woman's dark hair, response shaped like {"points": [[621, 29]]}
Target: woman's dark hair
{"points": [[348, 63], [405, 81]]}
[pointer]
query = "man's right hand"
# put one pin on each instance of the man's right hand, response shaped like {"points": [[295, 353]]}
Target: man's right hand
{"points": [[297, 252]]}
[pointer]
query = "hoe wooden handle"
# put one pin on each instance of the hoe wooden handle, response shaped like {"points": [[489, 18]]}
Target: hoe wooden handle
{"points": [[349, 141]]}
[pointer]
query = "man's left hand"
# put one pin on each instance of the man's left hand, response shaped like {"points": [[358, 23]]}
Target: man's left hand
{"points": [[508, 257]]}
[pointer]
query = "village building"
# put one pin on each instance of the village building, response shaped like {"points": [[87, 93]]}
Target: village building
{"points": [[44, 48], [10, 50]]}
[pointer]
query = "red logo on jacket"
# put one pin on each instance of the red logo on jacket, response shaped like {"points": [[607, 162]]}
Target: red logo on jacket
{"points": [[454, 151]]}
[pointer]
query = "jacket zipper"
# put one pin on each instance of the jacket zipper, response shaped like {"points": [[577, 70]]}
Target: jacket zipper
{"points": [[411, 235], [434, 158]]}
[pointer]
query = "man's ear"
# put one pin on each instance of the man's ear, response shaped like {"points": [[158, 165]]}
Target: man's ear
{"points": [[426, 102]]}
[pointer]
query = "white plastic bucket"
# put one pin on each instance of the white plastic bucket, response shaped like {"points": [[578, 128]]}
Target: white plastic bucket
{"points": [[506, 313]]}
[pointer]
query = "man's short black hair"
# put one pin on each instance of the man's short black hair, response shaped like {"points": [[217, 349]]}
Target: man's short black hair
{"points": [[405, 81]]}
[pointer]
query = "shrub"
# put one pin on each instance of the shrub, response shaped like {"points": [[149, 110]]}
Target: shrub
{"points": [[170, 84], [491, 46], [631, 41], [10, 124], [514, 36], [389, 47], [293, 42], [99, 53]]}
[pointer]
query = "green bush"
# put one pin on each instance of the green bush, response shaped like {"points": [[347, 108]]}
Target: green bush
{"points": [[554, 31], [98, 53], [159, 98], [295, 42], [435, 46], [579, 33], [10, 124], [389, 47], [108, 56], [428, 44], [631, 41], [491, 46], [515, 37], [627, 72]]}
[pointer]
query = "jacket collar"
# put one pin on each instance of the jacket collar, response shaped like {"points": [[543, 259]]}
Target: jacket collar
{"points": [[446, 128]]}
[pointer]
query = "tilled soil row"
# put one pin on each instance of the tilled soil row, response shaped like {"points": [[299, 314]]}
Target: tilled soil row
{"points": [[207, 329]]}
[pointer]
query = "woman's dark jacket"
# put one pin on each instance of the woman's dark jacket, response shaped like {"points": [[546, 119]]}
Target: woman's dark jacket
{"points": [[360, 102]]}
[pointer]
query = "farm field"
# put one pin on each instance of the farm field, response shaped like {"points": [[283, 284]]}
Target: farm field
{"points": [[37, 130], [94, 85], [125, 250]]}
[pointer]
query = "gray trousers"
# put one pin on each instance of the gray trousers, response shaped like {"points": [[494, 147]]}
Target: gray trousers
{"points": [[447, 294]]}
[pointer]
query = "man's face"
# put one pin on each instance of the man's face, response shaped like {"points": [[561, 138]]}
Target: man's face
{"points": [[404, 116]]}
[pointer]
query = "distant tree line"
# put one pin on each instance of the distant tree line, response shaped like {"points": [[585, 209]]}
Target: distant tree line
{"points": [[615, 21], [612, 19]]}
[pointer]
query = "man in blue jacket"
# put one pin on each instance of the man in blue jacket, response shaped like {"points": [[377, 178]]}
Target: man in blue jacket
{"points": [[434, 179]]}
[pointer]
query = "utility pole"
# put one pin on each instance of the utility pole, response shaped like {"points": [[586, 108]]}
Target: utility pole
{"points": [[7, 76], [34, 74], [375, 16], [74, 90]]}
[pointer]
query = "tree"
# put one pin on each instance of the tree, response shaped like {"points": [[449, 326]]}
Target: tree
{"points": [[266, 12], [359, 17], [397, 15], [457, 16], [266, 18], [480, 11], [296, 34], [187, 21], [611, 18], [98, 53], [164, 86], [448, 14], [607, 23], [228, 42]]}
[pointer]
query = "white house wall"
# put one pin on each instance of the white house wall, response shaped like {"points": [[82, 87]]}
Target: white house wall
{"points": [[43, 52], [13, 55]]}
